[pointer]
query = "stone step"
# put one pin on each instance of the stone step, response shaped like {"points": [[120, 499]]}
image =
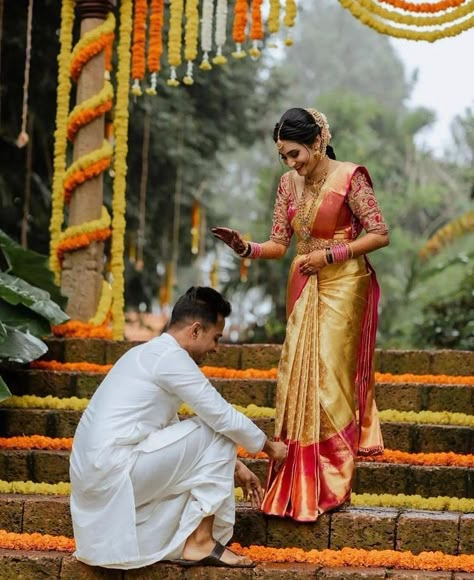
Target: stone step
{"points": [[47, 466], [401, 396], [366, 528], [18, 564], [263, 356], [411, 437]]}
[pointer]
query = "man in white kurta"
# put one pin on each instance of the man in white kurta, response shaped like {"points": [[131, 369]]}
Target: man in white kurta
{"points": [[142, 480]]}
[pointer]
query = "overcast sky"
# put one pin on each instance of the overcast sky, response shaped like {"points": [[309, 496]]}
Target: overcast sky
{"points": [[445, 80]]}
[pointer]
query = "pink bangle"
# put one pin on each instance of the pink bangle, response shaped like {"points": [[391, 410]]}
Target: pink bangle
{"points": [[341, 252], [255, 251]]}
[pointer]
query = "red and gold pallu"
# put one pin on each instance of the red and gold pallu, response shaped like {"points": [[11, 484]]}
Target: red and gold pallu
{"points": [[325, 374]]}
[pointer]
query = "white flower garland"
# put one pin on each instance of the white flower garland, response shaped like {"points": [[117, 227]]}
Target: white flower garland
{"points": [[206, 33], [221, 31]]}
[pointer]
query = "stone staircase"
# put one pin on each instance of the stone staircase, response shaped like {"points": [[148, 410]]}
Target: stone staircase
{"points": [[369, 528]]}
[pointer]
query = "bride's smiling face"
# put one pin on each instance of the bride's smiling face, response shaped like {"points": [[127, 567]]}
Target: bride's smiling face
{"points": [[298, 156]]}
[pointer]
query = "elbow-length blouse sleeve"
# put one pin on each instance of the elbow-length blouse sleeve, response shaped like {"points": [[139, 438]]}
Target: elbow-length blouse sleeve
{"points": [[363, 204], [281, 227]]}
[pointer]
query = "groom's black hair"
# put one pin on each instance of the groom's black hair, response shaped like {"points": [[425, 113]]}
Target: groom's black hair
{"points": [[201, 303]]}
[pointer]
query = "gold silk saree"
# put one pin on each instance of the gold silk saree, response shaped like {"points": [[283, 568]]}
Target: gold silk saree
{"points": [[325, 408]]}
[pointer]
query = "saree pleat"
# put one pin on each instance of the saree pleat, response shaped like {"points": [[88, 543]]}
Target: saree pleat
{"points": [[325, 382]]}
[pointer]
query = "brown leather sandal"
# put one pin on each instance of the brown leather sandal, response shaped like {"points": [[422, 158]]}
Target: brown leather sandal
{"points": [[214, 559]]}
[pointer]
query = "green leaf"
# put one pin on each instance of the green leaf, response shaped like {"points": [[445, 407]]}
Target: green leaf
{"points": [[31, 266], [3, 330], [24, 319], [17, 291], [21, 347], [4, 390]]}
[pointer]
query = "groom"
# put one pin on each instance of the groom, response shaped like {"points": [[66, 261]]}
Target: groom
{"points": [[146, 486]]}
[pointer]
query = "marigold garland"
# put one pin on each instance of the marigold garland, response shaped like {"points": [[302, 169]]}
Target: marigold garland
{"points": [[191, 33], [355, 557], [155, 43], [446, 459], [410, 20], [103, 308], [417, 502], [241, 9], [229, 373], [120, 166], [290, 18], [447, 234], [78, 329], [274, 17], [87, 167], [174, 39], [256, 30], [82, 367], [138, 45], [428, 35], [89, 110], [424, 6], [33, 488], [91, 44], [251, 411], [60, 134], [40, 542]]}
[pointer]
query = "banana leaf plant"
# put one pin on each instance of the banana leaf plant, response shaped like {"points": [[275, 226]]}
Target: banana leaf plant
{"points": [[30, 302]]}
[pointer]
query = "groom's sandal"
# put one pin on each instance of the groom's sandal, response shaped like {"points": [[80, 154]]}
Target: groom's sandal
{"points": [[214, 559]]}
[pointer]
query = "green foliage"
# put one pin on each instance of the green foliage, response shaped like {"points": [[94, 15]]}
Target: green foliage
{"points": [[26, 310]]}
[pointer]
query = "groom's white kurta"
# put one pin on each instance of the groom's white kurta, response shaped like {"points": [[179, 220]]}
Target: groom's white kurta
{"points": [[141, 479]]}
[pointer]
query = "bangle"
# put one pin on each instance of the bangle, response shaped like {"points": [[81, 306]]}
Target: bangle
{"points": [[255, 250], [247, 251], [329, 256]]}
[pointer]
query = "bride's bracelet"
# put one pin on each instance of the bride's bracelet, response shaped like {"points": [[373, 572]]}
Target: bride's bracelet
{"points": [[338, 253], [252, 251]]}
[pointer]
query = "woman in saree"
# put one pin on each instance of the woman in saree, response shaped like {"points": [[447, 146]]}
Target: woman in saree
{"points": [[325, 407]]}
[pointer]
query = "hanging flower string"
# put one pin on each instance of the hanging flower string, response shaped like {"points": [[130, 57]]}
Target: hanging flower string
{"points": [[220, 31], [273, 24], [174, 40], [290, 18], [155, 43], [241, 9], [120, 166], [60, 135], [91, 44], [138, 45], [103, 309], [191, 38], [195, 226], [206, 33], [256, 30], [89, 110]]}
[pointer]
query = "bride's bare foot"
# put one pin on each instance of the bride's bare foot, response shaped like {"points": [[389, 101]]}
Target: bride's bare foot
{"points": [[195, 552]]}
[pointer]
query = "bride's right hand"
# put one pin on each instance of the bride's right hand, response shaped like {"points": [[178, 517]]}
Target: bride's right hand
{"points": [[276, 450], [230, 237]]}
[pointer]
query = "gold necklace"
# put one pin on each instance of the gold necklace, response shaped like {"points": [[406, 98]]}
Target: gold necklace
{"points": [[304, 216]]}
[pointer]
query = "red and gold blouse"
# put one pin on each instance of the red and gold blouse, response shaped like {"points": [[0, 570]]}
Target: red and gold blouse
{"points": [[360, 199]]}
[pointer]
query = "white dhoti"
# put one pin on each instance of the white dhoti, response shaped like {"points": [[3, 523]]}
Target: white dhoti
{"points": [[177, 486]]}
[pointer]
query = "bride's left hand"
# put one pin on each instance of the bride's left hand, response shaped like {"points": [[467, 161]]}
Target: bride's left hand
{"points": [[311, 263]]}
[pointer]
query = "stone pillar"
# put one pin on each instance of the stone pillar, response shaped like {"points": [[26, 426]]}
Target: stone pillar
{"points": [[82, 272]]}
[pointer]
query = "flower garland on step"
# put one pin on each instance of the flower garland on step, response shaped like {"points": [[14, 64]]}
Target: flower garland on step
{"points": [[416, 502], [33, 488], [60, 135], [446, 459], [78, 329], [155, 43], [241, 9], [91, 44], [359, 557], [174, 40], [220, 35], [206, 33], [40, 542], [428, 35], [229, 373], [89, 110], [117, 265], [251, 411], [191, 38], [138, 45]]}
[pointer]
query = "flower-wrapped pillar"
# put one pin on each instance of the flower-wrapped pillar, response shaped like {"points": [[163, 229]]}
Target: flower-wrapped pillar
{"points": [[82, 269]]}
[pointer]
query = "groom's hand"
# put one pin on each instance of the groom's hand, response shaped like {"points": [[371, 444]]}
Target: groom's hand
{"points": [[249, 483]]}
